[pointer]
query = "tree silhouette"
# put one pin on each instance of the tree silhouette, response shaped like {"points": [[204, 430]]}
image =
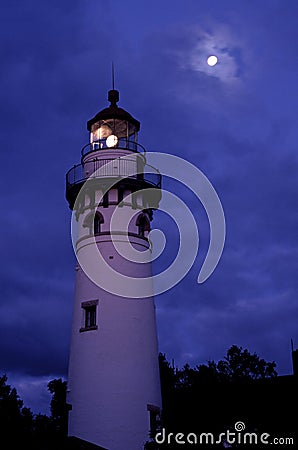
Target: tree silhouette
{"points": [[59, 410], [20, 428], [16, 421], [240, 364], [212, 397]]}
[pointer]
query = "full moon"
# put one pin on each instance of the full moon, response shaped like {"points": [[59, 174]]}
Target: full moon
{"points": [[212, 60]]}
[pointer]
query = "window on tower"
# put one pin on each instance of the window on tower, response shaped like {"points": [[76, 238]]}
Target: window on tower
{"points": [[98, 220], [94, 223], [143, 224], [105, 200], [89, 315], [120, 196]]}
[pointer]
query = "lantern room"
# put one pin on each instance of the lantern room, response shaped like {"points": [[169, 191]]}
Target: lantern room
{"points": [[113, 127]]}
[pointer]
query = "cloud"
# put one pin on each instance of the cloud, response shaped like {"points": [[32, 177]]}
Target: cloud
{"points": [[216, 42], [32, 391]]}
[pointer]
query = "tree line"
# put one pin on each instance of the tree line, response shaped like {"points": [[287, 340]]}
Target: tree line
{"points": [[20, 428], [241, 390]]}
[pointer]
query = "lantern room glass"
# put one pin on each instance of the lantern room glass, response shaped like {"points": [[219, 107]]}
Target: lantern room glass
{"points": [[122, 129]]}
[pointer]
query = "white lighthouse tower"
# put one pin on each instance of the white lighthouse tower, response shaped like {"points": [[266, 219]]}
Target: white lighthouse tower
{"points": [[113, 382]]}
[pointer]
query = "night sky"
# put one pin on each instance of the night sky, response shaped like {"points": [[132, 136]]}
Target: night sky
{"points": [[236, 121]]}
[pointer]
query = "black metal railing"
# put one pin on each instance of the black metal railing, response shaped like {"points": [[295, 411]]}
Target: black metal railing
{"points": [[113, 168], [122, 143]]}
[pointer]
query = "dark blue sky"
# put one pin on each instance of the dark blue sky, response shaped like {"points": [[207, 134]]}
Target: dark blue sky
{"points": [[236, 121]]}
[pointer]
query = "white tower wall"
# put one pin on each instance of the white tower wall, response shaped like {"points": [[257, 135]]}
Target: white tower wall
{"points": [[113, 370]]}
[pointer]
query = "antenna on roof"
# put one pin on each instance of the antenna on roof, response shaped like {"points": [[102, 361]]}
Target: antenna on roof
{"points": [[113, 95], [113, 76]]}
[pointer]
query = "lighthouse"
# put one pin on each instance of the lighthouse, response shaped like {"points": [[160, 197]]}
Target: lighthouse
{"points": [[113, 388]]}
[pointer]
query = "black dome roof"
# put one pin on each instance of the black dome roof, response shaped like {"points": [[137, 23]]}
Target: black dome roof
{"points": [[113, 112]]}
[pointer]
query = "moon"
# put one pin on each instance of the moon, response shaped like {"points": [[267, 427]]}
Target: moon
{"points": [[212, 60]]}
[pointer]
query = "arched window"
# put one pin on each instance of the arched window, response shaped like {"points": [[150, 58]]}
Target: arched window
{"points": [[143, 224], [98, 220], [94, 225]]}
